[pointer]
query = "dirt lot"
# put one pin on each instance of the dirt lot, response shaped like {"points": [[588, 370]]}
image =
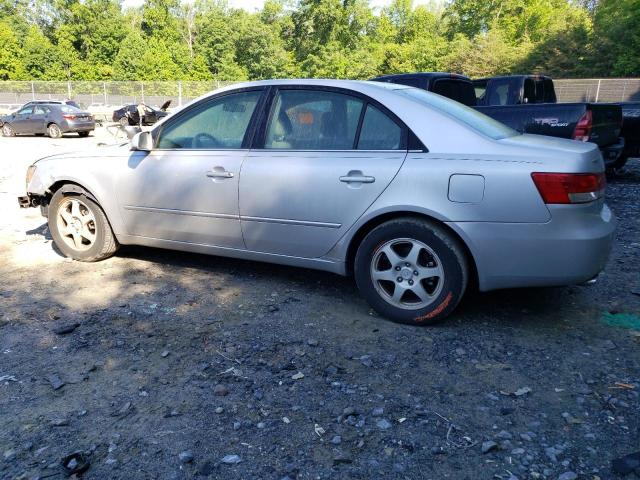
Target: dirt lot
{"points": [[188, 366]]}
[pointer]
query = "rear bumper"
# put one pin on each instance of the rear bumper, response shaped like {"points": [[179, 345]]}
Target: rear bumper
{"points": [[78, 126], [611, 153], [570, 249]]}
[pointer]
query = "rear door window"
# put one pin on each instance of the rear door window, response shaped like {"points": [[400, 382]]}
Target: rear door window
{"points": [[313, 120]]}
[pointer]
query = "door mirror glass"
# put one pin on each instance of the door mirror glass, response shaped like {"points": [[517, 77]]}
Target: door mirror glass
{"points": [[142, 141]]}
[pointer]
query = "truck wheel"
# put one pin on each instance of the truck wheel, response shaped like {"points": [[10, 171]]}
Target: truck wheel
{"points": [[80, 228], [8, 131], [411, 271], [54, 131]]}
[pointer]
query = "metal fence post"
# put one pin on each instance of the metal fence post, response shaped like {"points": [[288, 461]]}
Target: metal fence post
{"points": [[142, 91], [69, 90], [33, 91], [104, 90], [179, 94], [598, 91]]}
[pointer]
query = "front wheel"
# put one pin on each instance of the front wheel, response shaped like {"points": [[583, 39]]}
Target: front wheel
{"points": [[54, 131], [8, 131], [80, 228], [411, 271]]}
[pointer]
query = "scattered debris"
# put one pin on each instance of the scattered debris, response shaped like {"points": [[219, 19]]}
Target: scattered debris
{"points": [[489, 446], [297, 376], [220, 390], [55, 381], [65, 329], [8, 378], [75, 463], [231, 459], [319, 430]]}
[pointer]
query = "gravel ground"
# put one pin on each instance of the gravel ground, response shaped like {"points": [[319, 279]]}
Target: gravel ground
{"points": [[183, 365]]}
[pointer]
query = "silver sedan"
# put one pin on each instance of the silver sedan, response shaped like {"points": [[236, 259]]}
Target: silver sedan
{"points": [[414, 195]]}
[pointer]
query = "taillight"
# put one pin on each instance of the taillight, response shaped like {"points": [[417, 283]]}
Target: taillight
{"points": [[583, 128], [69, 117], [568, 188]]}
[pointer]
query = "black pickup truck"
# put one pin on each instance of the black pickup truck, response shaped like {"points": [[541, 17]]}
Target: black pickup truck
{"points": [[587, 122], [528, 89]]}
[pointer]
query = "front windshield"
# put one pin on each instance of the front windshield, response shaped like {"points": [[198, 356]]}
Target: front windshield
{"points": [[481, 123]]}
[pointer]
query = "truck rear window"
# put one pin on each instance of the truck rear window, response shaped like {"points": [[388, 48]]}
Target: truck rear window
{"points": [[457, 90], [478, 121]]}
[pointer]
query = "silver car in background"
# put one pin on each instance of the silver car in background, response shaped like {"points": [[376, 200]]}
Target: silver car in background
{"points": [[413, 194]]}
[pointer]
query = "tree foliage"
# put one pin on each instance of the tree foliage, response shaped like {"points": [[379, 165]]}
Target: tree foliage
{"points": [[206, 39]]}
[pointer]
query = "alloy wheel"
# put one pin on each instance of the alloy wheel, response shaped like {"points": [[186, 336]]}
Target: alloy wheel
{"points": [[76, 224], [406, 273]]}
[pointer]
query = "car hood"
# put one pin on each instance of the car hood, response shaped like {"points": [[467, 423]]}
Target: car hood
{"points": [[102, 152]]}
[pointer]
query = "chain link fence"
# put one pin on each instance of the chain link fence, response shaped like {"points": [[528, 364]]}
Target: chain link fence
{"points": [[97, 95], [598, 90], [106, 96]]}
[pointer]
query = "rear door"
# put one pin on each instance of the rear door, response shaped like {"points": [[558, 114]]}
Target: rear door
{"points": [[39, 118], [323, 156]]}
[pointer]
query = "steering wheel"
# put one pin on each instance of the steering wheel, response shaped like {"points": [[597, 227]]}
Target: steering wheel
{"points": [[204, 140]]}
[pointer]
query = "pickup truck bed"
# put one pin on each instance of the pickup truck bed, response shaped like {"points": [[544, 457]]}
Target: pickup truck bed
{"points": [[561, 119]]}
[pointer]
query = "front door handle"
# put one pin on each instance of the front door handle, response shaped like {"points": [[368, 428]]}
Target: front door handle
{"points": [[357, 177], [219, 172]]}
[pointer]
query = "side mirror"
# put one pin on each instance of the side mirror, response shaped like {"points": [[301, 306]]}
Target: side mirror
{"points": [[142, 141]]}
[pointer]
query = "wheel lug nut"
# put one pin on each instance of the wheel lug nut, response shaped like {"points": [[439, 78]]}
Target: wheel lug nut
{"points": [[397, 269], [407, 264], [410, 282], [399, 279], [415, 272]]}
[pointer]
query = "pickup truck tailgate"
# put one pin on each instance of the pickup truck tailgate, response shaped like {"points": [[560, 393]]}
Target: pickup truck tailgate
{"points": [[607, 123]]}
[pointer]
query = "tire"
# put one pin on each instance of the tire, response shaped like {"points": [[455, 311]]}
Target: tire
{"points": [[397, 254], [124, 122], [53, 130], [92, 240], [8, 131], [84, 134]]}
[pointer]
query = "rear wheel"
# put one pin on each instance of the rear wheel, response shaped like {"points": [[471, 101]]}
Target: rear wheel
{"points": [[84, 134], [80, 228], [411, 271], [54, 131], [8, 131]]}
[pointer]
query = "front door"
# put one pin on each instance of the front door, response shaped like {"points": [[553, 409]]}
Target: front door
{"points": [[22, 121], [186, 189], [325, 157]]}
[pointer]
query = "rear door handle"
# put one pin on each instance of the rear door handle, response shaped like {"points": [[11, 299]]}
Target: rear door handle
{"points": [[357, 179], [219, 174]]}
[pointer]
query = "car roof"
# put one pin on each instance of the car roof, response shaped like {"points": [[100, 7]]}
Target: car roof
{"points": [[423, 75]]}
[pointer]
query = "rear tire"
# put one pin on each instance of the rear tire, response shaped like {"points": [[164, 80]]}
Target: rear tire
{"points": [[53, 130], [8, 131], [84, 134], [80, 228], [411, 271]]}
